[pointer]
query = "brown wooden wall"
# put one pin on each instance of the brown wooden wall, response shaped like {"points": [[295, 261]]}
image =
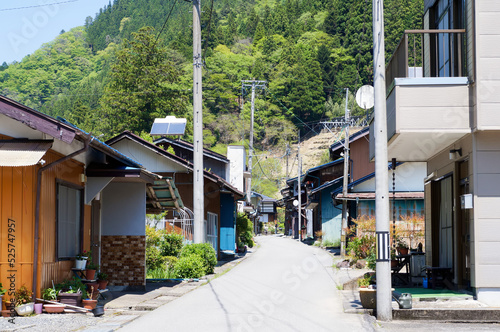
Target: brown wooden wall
{"points": [[360, 155], [17, 205]]}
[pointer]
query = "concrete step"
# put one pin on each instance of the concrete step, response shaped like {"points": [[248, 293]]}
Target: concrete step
{"points": [[486, 315]]}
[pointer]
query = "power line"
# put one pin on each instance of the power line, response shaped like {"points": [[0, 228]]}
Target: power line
{"points": [[208, 31], [164, 24], [36, 6]]}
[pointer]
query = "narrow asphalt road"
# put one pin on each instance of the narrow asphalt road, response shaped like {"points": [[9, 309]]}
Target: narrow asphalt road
{"points": [[284, 286]]}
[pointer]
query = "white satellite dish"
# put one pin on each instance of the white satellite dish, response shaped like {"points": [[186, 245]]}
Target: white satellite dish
{"points": [[365, 97]]}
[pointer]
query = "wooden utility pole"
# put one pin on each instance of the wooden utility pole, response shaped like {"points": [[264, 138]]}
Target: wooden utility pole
{"points": [[198, 188]]}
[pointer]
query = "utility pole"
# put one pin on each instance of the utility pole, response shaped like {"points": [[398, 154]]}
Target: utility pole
{"points": [[198, 188], [254, 84], [346, 177], [299, 186], [383, 270]]}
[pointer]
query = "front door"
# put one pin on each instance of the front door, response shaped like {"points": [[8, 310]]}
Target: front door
{"points": [[445, 222], [464, 228]]}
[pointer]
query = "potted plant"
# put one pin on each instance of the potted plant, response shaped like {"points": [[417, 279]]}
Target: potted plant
{"points": [[5, 313], [402, 247], [102, 279], [23, 301], [71, 291], [49, 294], [90, 302], [91, 271], [2, 292], [81, 260]]}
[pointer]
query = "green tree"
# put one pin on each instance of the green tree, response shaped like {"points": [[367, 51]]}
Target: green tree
{"points": [[143, 85]]}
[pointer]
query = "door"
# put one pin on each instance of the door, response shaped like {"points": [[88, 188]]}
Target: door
{"points": [[446, 222], [227, 223], [95, 231], [463, 228]]}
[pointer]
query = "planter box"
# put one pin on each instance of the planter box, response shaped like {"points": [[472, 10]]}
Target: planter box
{"points": [[70, 298], [368, 298]]}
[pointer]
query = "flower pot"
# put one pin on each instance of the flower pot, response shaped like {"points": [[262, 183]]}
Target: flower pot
{"points": [[403, 250], [102, 284], [25, 309], [53, 308], [90, 274], [89, 304], [38, 308], [6, 313], [80, 264]]}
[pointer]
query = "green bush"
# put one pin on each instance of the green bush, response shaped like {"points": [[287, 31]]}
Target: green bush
{"points": [[191, 266], [205, 251], [154, 259], [244, 230], [171, 244], [170, 261]]}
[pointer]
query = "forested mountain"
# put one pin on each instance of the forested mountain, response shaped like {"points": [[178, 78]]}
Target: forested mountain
{"points": [[111, 75]]}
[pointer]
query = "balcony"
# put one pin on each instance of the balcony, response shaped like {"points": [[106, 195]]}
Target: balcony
{"points": [[428, 102]]}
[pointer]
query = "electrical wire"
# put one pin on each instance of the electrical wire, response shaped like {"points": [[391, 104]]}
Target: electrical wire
{"points": [[208, 32], [36, 6], [164, 24]]}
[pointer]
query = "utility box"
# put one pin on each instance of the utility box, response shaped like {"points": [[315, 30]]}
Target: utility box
{"points": [[466, 201]]}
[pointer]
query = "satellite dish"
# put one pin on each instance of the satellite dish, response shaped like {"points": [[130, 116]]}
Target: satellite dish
{"points": [[364, 97]]}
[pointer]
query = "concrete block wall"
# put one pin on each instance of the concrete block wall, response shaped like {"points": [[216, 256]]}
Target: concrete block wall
{"points": [[123, 258]]}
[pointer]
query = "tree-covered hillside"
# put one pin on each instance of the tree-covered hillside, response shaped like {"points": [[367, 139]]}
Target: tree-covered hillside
{"points": [[110, 75]]}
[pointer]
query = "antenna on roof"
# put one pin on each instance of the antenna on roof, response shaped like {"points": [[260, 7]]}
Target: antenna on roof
{"points": [[169, 126]]}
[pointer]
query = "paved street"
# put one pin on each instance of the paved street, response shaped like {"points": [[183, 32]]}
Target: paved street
{"points": [[284, 286]]}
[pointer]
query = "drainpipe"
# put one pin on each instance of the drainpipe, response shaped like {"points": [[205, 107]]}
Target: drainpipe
{"points": [[37, 206]]}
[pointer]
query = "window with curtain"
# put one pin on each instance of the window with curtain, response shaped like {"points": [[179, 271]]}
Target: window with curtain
{"points": [[69, 220]]}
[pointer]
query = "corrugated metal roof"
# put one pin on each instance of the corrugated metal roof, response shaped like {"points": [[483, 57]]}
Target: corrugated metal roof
{"points": [[22, 152]]}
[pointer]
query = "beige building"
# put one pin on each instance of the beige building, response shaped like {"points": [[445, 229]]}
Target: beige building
{"points": [[443, 107]]}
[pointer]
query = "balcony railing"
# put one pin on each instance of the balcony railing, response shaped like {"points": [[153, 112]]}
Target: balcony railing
{"points": [[428, 49]]}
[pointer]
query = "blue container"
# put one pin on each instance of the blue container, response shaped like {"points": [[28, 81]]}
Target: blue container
{"points": [[425, 283]]}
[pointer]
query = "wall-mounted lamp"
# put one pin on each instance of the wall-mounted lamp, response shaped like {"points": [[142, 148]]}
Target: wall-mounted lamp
{"points": [[454, 151]]}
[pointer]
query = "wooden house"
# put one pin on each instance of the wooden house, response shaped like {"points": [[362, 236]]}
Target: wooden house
{"points": [[63, 191]]}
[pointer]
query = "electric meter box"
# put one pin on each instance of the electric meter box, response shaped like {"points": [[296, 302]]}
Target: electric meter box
{"points": [[466, 201]]}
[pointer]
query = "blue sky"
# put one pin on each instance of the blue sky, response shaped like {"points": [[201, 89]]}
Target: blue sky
{"points": [[24, 30]]}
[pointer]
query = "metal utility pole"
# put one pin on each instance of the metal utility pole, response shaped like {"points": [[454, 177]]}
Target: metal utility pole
{"points": [[198, 188], [254, 84], [384, 308], [346, 177]]}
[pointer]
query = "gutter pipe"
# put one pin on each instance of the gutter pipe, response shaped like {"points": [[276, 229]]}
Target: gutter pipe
{"points": [[37, 205]]}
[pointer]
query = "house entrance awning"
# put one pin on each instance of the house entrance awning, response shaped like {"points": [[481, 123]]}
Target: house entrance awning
{"points": [[22, 152], [163, 195]]}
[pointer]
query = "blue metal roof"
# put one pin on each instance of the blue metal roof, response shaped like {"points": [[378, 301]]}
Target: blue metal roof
{"points": [[310, 170], [327, 184]]}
